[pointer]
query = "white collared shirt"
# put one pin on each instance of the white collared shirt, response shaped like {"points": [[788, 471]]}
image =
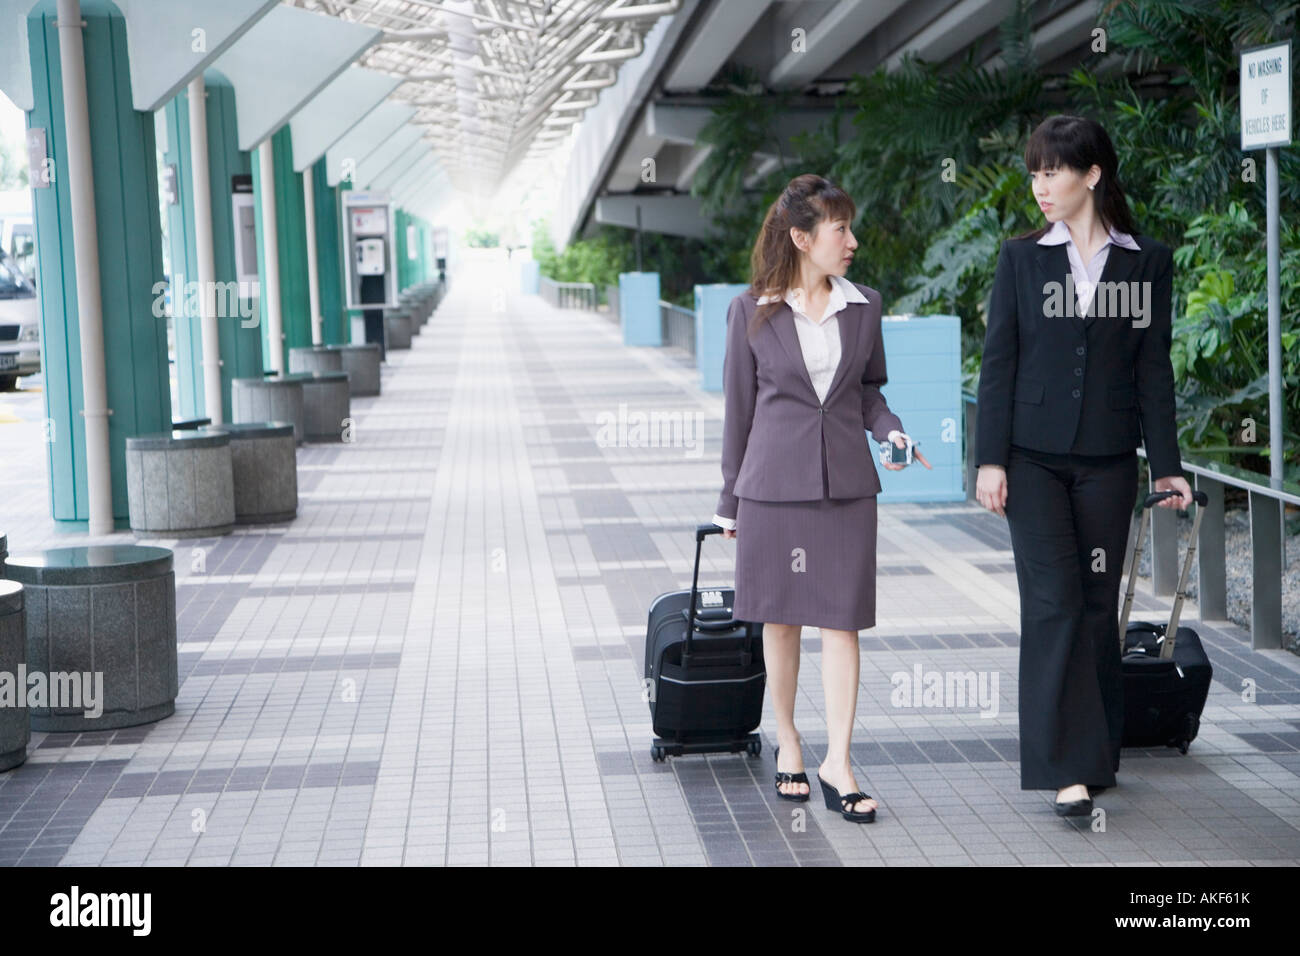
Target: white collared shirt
{"points": [[818, 341], [1085, 277]]}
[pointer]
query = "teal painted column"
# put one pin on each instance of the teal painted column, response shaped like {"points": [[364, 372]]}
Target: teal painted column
{"points": [[421, 251], [400, 219], [399, 237], [424, 251], [291, 222], [130, 257], [712, 303], [335, 329], [638, 308], [412, 250], [237, 316]]}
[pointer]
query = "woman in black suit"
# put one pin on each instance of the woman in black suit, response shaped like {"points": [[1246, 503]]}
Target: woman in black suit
{"points": [[1075, 374]]}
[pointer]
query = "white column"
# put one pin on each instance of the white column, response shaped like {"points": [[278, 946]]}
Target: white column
{"points": [[203, 247], [271, 248], [85, 241], [313, 266]]}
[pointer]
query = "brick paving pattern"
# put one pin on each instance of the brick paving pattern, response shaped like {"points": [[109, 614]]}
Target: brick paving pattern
{"points": [[439, 660]]}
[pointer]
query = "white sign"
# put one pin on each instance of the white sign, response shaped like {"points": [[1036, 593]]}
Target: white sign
{"points": [[369, 221], [241, 206], [1266, 96]]}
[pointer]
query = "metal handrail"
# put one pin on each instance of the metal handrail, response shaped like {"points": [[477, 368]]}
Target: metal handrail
{"points": [[677, 326], [1267, 540], [568, 295], [611, 299]]}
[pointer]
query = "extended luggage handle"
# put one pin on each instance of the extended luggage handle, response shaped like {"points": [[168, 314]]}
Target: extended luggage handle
{"points": [[701, 532], [1171, 631]]}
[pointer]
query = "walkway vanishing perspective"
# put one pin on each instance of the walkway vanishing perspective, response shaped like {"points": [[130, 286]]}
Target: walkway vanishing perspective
{"points": [[439, 661]]}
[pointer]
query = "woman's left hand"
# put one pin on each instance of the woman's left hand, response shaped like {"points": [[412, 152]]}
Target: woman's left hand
{"points": [[1174, 483], [901, 439]]}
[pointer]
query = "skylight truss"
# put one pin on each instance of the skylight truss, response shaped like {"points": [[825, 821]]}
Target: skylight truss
{"points": [[498, 84]]}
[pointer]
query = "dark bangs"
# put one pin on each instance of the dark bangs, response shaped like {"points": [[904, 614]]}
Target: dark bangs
{"points": [[1058, 141], [1080, 143]]}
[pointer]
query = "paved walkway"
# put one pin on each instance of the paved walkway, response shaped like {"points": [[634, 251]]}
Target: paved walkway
{"points": [[439, 661]]}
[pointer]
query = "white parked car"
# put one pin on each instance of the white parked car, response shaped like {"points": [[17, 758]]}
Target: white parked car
{"points": [[20, 325]]}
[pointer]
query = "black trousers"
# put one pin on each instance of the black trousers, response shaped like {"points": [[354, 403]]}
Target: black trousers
{"points": [[1069, 517]]}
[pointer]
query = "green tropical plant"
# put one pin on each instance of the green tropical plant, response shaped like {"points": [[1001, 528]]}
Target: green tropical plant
{"points": [[932, 155]]}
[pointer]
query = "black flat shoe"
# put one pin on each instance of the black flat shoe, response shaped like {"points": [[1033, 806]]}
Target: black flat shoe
{"points": [[788, 778], [842, 802], [1073, 808]]}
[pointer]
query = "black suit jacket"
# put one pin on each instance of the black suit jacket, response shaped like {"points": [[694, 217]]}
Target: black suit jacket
{"points": [[1087, 385]]}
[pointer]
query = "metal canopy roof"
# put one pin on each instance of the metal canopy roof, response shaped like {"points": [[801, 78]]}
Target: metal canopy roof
{"points": [[497, 84]]}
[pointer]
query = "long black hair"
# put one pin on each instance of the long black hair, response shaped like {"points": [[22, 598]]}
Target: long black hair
{"points": [[1080, 143]]}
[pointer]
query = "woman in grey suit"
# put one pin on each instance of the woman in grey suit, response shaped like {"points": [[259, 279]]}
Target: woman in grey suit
{"points": [[801, 382]]}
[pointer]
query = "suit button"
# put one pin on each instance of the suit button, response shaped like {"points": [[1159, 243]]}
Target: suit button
{"points": [[821, 409], [1078, 371], [1075, 393], [1079, 350]]}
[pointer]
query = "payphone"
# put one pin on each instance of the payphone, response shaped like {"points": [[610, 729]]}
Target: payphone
{"points": [[372, 267], [370, 257], [440, 242]]}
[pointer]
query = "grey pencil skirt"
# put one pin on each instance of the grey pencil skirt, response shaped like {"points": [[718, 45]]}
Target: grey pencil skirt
{"points": [[811, 563]]}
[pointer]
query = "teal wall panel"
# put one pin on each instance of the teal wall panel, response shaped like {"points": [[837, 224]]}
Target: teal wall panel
{"points": [[399, 227], [924, 390], [130, 251], [240, 344], [422, 272], [291, 229], [412, 271], [335, 329], [180, 239]]}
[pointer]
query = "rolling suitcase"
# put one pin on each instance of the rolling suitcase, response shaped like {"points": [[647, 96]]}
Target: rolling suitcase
{"points": [[705, 682], [1166, 678]]}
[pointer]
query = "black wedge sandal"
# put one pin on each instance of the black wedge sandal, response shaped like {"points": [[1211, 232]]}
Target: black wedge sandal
{"points": [[845, 801], [788, 778]]}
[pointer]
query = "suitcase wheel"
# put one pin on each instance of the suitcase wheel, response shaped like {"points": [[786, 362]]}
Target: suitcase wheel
{"points": [[1191, 724], [755, 747], [657, 753]]}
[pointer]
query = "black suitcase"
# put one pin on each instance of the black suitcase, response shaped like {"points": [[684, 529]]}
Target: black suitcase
{"points": [[1166, 680], [705, 683]]}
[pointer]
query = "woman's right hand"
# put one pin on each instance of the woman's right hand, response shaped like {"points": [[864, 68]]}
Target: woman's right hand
{"points": [[991, 488]]}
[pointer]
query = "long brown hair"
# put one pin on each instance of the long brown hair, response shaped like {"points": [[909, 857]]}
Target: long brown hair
{"points": [[805, 203]]}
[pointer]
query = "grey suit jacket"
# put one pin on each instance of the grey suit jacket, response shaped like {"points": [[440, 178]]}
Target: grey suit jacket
{"points": [[775, 431]]}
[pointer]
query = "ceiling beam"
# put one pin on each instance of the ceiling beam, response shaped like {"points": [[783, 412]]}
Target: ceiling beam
{"points": [[835, 34]]}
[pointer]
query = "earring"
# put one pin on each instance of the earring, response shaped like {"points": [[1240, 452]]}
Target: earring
{"points": [[1093, 186]]}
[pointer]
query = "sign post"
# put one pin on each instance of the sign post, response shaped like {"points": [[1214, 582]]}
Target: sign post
{"points": [[1266, 123]]}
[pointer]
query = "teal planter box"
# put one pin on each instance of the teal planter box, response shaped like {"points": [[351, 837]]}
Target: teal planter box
{"points": [[530, 277], [638, 308], [711, 304], [923, 362]]}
